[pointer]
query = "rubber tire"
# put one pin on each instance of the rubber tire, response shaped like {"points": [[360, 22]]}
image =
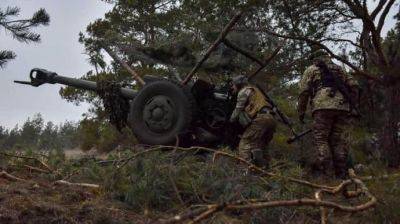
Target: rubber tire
{"points": [[183, 106]]}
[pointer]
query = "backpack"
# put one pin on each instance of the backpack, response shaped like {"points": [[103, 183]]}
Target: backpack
{"points": [[333, 78]]}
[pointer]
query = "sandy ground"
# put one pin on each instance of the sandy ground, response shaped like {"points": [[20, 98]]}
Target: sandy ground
{"points": [[77, 153]]}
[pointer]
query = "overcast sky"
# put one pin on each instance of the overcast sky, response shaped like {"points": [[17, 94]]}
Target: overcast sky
{"points": [[59, 52]]}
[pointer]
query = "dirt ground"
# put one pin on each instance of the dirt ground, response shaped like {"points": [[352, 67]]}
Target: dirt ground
{"points": [[77, 153], [39, 201]]}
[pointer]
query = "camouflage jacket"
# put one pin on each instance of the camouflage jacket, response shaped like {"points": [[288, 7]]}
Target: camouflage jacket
{"points": [[249, 101], [321, 99]]}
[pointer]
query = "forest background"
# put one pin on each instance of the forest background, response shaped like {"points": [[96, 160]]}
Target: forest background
{"points": [[166, 37]]}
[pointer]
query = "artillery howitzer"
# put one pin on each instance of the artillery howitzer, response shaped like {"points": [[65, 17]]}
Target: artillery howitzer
{"points": [[167, 112], [163, 111]]}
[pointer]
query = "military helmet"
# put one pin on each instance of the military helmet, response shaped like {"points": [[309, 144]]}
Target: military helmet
{"points": [[239, 80], [320, 53]]}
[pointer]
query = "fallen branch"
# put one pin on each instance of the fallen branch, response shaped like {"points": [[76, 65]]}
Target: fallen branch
{"points": [[112, 162], [171, 179], [71, 174], [304, 202], [260, 170], [32, 168], [236, 158], [158, 148], [177, 192], [29, 158], [41, 154], [256, 204], [10, 177], [207, 213], [63, 182], [387, 176], [323, 211]]}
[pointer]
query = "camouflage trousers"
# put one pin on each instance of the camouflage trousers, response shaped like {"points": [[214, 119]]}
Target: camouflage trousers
{"points": [[330, 131], [257, 136]]}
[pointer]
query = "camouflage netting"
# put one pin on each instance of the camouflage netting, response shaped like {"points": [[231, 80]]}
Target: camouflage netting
{"points": [[181, 53], [115, 105]]}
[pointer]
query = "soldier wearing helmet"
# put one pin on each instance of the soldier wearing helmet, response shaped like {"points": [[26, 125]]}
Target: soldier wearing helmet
{"points": [[254, 113], [330, 107]]}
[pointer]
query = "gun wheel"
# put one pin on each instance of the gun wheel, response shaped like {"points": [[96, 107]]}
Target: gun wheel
{"points": [[161, 112]]}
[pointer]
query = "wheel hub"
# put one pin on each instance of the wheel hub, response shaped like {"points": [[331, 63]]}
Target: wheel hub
{"points": [[159, 114]]}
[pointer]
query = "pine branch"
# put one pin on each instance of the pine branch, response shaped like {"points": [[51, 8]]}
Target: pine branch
{"points": [[20, 29], [10, 11], [41, 17], [5, 56], [26, 37]]}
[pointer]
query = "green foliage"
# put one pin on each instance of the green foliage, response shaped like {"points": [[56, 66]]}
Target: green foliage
{"points": [[103, 136], [88, 134], [167, 37], [6, 56], [31, 130], [156, 182], [34, 134], [56, 157], [108, 138], [21, 29]]}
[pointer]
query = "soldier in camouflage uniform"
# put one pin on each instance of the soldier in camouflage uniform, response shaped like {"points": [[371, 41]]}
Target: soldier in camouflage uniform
{"points": [[253, 112], [330, 111]]}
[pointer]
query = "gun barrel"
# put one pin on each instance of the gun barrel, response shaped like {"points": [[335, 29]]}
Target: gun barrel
{"points": [[89, 85], [40, 76]]}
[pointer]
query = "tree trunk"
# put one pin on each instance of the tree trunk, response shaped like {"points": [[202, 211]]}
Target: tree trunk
{"points": [[390, 134]]}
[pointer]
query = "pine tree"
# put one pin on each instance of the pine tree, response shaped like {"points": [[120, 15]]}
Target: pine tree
{"points": [[20, 29]]}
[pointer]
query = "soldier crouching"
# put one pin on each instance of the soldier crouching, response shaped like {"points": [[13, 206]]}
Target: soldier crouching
{"points": [[252, 111], [330, 91]]}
